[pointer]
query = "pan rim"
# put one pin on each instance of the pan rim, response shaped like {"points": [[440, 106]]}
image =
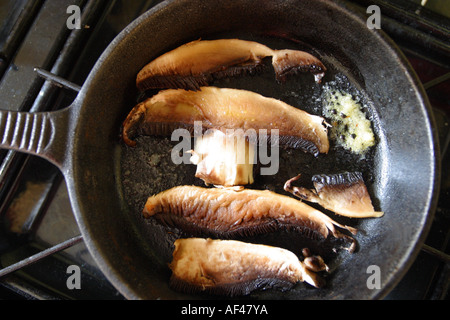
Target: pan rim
{"points": [[432, 199]]}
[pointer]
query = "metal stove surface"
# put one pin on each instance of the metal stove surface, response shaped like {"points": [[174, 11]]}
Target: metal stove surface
{"points": [[35, 211]]}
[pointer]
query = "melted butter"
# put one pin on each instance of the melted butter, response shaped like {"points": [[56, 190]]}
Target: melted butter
{"points": [[350, 127]]}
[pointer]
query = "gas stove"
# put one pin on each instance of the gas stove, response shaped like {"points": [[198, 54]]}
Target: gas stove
{"points": [[44, 59]]}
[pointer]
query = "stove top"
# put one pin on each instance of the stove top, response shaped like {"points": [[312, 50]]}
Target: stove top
{"points": [[35, 212]]}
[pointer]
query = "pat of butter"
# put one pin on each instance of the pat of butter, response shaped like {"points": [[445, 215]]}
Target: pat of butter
{"points": [[350, 127]]}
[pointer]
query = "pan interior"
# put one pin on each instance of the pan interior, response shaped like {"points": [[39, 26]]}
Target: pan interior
{"points": [[148, 168], [109, 191]]}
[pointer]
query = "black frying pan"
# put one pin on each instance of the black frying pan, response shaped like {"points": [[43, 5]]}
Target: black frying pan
{"points": [[83, 140]]}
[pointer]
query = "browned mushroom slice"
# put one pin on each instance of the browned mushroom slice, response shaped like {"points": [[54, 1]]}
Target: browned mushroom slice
{"points": [[235, 268], [199, 62], [224, 159], [314, 263], [227, 109], [345, 194], [226, 213]]}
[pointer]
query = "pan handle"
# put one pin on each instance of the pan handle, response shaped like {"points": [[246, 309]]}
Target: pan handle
{"points": [[43, 134]]}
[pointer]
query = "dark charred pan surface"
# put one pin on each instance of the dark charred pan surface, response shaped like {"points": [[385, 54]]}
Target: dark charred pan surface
{"points": [[147, 168]]}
